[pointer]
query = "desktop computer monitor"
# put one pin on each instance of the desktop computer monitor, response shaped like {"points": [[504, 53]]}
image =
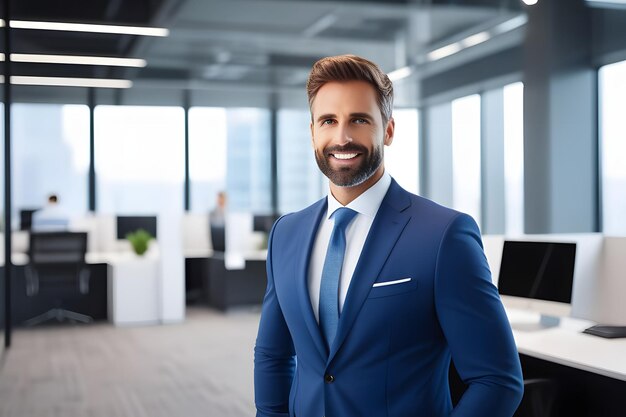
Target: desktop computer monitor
{"points": [[26, 218], [538, 276], [264, 223], [129, 224]]}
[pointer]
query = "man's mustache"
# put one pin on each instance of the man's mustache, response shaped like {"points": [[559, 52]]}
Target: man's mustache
{"points": [[349, 148]]}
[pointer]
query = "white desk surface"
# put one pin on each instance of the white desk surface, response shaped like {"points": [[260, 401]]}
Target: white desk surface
{"points": [[566, 345], [18, 258]]}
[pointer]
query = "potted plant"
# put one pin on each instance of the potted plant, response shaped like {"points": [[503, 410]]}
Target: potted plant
{"points": [[139, 240]]}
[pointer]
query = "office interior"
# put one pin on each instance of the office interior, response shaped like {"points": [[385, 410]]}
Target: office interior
{"points": [[509, 110]]}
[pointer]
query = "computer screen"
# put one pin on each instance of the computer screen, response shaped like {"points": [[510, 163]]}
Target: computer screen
{"points": [[129, 224], [264, 223], [26, 218], [538, 270]]}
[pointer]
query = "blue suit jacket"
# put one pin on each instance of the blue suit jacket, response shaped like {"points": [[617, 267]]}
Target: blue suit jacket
{"points": [[393, 346]]}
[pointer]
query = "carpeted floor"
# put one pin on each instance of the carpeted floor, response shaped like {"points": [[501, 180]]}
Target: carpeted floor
{"points": [[202, 367]]}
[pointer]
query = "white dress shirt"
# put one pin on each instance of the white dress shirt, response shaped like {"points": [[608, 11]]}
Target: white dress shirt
{"points": [[51, 218], [366, 205]]}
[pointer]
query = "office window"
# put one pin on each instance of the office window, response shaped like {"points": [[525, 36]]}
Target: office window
{"points": [[466, 187], [248, 178], [300, 182], [2, 280], [402, 157], [613, 147], [2, 169], [207, 156], [139, 159], [514, 158], [50, 145]]}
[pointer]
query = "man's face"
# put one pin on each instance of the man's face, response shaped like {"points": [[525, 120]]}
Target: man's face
{"points": [[348, 133]]}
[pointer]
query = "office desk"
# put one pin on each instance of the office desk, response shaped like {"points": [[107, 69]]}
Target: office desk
{"points": [[590, 371], [235, 280], [566, 345], [133, 286]]}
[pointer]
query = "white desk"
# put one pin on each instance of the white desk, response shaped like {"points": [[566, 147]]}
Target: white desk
{"points": [[566, 345], [133, 286], [18, 258]]}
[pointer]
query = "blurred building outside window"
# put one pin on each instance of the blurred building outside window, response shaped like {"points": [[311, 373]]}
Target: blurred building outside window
{"points": [[50, 146], [139, 159]]}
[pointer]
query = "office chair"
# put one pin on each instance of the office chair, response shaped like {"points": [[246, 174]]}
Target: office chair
{"points": [[57, 261], [539, 398]]}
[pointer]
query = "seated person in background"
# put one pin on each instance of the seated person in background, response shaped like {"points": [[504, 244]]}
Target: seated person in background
{"points": [[217, 216], [217, 222], [51, 218]]}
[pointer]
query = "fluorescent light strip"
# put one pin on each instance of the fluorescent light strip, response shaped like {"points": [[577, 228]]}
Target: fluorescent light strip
{"points": [[608, 1], [510, 24], [400, 73], [476, 38], [79, 60], [71, 82], [445, 51], [84, 27]]}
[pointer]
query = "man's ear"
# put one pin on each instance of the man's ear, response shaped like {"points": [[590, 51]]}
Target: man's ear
{"points": [[389, 130], [312, 135]]}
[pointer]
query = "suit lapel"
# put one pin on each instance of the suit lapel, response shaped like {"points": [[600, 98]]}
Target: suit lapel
{"points": [[306, 246], [382, 237]]}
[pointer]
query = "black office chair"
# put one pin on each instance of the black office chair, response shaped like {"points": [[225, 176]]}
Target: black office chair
{"points": [[57, 261], [539, 398], [538, 401]]}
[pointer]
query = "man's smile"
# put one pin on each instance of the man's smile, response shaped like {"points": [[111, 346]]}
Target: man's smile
{"points": [[344, 156]]}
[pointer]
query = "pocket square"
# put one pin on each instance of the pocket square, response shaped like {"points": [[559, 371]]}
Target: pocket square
{"points": [[394, 282]]}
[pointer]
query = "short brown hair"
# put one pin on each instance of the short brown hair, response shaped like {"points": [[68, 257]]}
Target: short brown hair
{"points": [[352, 68]]}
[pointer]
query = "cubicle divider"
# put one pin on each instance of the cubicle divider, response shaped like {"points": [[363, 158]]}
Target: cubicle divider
{"points": [[599, 278]]}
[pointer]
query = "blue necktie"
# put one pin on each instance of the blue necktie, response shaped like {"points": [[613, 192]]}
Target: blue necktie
{"points": [[329, 287]]}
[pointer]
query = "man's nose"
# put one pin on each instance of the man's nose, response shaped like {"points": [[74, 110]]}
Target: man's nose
{"points": [[343, 134]]}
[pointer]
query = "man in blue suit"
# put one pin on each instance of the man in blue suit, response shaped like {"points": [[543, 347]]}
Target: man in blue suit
{"points": [[373, 290]]}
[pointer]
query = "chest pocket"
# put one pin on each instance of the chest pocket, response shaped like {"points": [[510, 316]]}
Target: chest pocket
{"points": [[387, 288]]}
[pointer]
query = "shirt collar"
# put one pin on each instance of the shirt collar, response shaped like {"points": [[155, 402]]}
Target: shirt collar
{"points": [[367, 203]]}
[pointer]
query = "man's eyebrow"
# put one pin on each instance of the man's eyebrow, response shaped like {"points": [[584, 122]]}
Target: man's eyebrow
{"points": [[354, 115], [361, 115], [326, 116]]}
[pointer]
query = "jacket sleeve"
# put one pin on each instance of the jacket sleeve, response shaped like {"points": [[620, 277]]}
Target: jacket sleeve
{"points": [[475, 325], [274, 354]]}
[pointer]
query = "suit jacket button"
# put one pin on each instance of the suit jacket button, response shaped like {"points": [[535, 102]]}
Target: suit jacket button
{"points": [[329, 379]]}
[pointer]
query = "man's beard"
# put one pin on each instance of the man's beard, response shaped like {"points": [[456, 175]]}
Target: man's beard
{"points": [[349, 176]]}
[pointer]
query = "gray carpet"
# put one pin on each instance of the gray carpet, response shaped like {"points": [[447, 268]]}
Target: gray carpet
{"points": [[202, 367]]}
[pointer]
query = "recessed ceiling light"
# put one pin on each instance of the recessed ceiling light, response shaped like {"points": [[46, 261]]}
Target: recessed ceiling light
{"points": [[530, 2], [85, 27]]}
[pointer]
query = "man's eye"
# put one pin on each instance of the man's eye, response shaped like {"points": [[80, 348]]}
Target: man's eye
{"points": [[327, 122], [360, 121]]}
